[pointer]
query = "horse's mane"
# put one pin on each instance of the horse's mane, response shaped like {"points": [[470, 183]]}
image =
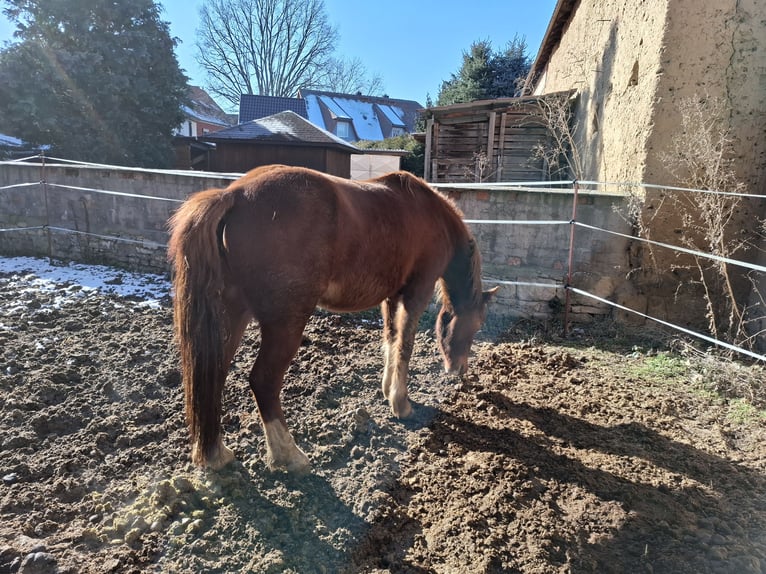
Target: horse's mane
{"points": [[460, 286]]}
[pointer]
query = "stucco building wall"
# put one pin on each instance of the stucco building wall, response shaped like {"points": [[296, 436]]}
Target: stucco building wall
{"points": [[714, 48], [633, 63], [610, 53]]}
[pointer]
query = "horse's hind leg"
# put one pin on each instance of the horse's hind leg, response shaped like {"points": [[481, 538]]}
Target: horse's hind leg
{"points": [[279, 343]]}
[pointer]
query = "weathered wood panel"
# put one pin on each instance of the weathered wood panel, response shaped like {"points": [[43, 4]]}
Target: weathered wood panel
{"points": [[241, 157], [492, 140]]}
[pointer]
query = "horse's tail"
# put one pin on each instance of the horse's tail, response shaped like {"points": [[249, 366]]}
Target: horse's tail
{"points": [[195, 249]]}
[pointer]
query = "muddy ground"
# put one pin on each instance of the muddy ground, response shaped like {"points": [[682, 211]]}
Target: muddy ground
{"points": [[583, 455]]}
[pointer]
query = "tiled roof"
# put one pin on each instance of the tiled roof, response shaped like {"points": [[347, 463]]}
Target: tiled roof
{"points": [[204, 108], [252, 107], [284, 128]]}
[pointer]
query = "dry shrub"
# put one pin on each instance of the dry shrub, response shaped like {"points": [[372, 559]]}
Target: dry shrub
{"points": [[701, 158]]}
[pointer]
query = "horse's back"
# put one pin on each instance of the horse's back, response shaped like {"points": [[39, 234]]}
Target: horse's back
{"points": [[343, 244]]}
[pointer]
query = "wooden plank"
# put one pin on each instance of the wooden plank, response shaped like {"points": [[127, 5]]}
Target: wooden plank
{"points": [[501, 145], [430, 131], [491, 140]]}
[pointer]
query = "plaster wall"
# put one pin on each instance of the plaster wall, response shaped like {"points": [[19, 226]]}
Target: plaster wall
{"points": [[611, 54], [633, 63]]}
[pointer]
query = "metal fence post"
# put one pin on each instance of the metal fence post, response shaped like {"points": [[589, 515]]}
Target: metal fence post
{"points": [[570, 259], [47, 211]]}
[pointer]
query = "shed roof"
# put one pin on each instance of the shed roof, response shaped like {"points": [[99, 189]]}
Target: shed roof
{"points": [[493, 104], [284, 128]]}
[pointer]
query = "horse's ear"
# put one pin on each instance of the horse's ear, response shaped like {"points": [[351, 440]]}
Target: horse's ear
{"points": [[489, 293]]}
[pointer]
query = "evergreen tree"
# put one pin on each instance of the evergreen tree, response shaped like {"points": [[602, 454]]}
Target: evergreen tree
{"points": [[509, 68], [95, 79], [486, 74]]}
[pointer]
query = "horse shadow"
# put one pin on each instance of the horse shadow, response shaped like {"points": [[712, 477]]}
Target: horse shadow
{"points": [[291, 518], [665, 525]]}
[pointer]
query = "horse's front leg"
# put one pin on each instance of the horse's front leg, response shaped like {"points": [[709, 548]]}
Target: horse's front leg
{"points": [[388, 311], [279, 343], [406, 318]]}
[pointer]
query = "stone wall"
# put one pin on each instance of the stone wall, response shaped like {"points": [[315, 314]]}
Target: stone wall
{"points": [[98, 216], [539, 253], [529, 253]]}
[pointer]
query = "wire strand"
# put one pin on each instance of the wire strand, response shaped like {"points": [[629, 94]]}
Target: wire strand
{"points": [[718, 258], [118, 193], [671, 325]]}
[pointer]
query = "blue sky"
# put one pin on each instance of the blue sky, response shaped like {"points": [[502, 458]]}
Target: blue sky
{"points": [[412, 44]]}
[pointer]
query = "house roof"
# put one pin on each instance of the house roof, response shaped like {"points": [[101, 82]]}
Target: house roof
{"points": [[203, 108], [284, 128], [363, 111], [252, 107], [562, 14]]}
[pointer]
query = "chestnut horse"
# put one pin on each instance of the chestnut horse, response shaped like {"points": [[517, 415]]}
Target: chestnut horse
{"points": [[281, 241]]}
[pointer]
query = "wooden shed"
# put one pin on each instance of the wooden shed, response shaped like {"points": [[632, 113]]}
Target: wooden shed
{"points": [[488, 140], [284, 138]]}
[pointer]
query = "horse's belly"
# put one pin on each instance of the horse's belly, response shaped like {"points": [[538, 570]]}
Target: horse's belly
{"points": [[356, 296]]}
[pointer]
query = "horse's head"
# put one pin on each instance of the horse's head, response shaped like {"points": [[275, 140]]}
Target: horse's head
{"points": [[455, 332]]}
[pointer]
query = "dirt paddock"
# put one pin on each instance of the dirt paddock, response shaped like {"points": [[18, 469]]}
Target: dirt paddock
{"points": [[546, 457]]}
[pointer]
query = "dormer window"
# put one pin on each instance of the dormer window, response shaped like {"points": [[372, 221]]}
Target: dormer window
{"points": [[343, 129], [395, 132]]}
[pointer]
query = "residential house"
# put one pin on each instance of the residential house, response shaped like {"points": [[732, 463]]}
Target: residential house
{"points": [[355, 117], [252, 107], [351, 117], [202, 116], [283, 138]]}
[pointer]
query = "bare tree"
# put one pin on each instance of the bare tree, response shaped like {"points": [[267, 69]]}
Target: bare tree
{"points": [[349, 76], [560, 152], [265, 47]]}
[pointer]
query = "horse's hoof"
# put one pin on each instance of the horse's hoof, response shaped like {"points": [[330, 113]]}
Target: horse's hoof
{"points": [[299, 464], [402, 410], [220, 458], [295, 463], [299, 468]]}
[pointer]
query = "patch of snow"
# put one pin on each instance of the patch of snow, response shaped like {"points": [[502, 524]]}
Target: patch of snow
{"points": [[68, 282]]}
